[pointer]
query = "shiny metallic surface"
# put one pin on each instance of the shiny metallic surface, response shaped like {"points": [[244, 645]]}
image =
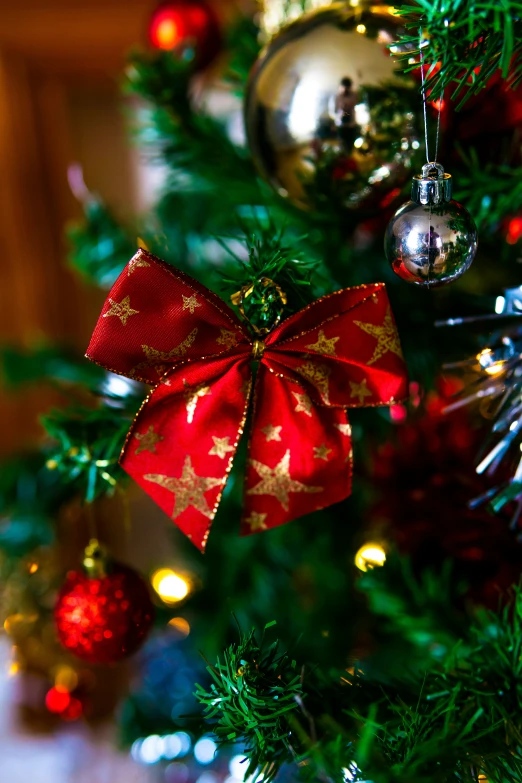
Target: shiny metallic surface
{"points": [[433, 186], [328, 117], [431, 245]]}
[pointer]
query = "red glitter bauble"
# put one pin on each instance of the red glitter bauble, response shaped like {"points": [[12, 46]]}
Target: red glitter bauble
{"points": [[180, 24], [102, 620]]}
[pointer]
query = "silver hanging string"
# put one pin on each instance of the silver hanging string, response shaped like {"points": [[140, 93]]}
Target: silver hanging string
{"points": [[425, 105]]}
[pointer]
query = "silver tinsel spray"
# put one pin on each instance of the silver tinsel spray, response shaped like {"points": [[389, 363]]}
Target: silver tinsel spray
{"points": [[495, 383]]}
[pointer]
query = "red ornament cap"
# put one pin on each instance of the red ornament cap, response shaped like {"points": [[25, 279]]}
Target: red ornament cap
{"points": [[105, 615]]}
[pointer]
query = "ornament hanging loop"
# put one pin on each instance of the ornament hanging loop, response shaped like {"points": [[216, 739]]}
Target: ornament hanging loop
{"points": [[432, 186]]}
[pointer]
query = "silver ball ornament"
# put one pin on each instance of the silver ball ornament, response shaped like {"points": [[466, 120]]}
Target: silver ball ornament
{"points": [[431, 240], [329, 118]]}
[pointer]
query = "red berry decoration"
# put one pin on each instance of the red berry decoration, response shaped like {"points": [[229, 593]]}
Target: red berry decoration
{"points": [[186, 24], [104, 612]]}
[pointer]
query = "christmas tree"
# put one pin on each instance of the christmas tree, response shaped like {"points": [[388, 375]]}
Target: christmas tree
{"points": [[268, 348]]}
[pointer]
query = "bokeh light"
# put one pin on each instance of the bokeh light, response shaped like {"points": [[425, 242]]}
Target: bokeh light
{"points": [[369, 556], [205, 750], [170, 586], [181, 625]]}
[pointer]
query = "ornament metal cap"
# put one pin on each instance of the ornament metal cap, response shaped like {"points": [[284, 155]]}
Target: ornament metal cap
{"points": [[95, 560], [433, 186]]}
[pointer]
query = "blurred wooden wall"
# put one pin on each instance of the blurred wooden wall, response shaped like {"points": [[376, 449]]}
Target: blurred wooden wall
{"points": [[61, 63]]}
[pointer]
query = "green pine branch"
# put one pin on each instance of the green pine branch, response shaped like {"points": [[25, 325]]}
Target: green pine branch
{"points": [[468, 41], [88, 445], [459, 719], [99, 247], [190, 141]]}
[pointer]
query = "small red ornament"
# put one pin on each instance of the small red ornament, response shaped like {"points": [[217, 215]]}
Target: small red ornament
{"points": [[104, 612], [183, 24]]}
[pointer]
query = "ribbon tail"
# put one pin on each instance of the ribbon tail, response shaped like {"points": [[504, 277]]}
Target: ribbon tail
{"points": [[182, 443], [300, 455]]}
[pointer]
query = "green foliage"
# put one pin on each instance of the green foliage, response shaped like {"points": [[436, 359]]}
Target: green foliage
{"points": [[492, 192], [251, 694], [49, 363], [191, 141], [468, 41], [270, 259], [99, 246], [29, 498], [89, 442], [449, 723], [242, 46]]}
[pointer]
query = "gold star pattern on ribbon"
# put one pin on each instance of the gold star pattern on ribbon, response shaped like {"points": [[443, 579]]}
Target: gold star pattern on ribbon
{"points": [[227, 338], [189, 489], [386, 335], [154, 357], [304, 403], [190, 303], [148, 441], [121, 310], [360, 390], [135, 263], [221, 447], [272, 433], [278, 482], [318, 375], [322, 452], [344, 429], [324, 344], [256, 521], [192, 395]]}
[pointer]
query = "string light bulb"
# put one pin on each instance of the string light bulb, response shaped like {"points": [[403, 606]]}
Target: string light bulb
{"points": [[369, 556], [170, 586]]}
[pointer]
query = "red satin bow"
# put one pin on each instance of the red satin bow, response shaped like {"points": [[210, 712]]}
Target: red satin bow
{"points": [[161, 327]]}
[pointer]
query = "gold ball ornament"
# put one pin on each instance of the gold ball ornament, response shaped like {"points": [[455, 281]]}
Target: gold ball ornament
{"points": [[329, 119]]}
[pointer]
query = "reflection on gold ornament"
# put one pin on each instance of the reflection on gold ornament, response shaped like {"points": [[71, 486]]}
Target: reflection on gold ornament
{"points": [[276, 13], [330, 121], [369, 556]]}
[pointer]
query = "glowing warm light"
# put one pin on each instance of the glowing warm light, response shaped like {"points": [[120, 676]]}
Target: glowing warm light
{"points": [[369, 556], [181, 625], [361, 28], [16, 622], [514, 230], [170, 586], [56, 701], [13, 669], [73, 711], [65, 679], [495, 368], [398, 413], [167, 34], [484, 359], [33, 568]]}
